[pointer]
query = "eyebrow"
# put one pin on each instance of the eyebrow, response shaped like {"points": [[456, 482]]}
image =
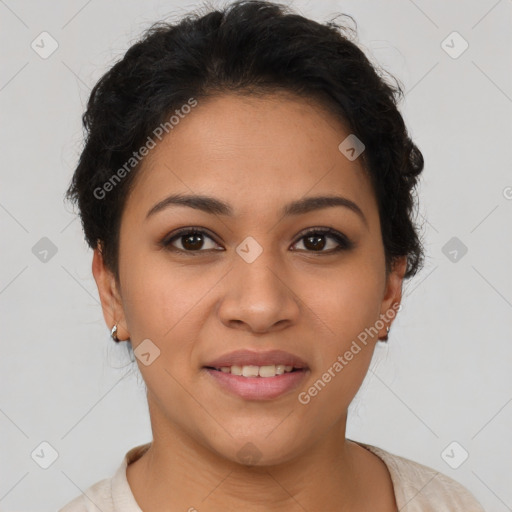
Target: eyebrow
{"points": [[215, 206]]}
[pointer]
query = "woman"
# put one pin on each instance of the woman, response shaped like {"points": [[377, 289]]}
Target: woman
{"points": [[246, 186]]}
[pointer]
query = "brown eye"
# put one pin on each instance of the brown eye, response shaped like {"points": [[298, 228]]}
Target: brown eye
{"points": [[190, 240], [319, 240], [316, 240]]}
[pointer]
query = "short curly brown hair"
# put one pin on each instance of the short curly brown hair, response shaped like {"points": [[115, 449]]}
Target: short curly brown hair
{"points": [[249, 47]]}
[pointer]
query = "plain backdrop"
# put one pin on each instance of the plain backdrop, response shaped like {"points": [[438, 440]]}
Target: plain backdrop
{"points": [[445, 375]]}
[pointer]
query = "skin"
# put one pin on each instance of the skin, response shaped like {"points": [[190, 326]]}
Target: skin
{"points": [[257, 154]]}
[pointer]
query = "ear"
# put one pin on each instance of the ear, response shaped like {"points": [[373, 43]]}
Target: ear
{"points": [[111, 303], [392, 293]]}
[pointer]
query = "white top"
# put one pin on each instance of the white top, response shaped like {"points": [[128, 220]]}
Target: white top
{"points": [[418, 488]]}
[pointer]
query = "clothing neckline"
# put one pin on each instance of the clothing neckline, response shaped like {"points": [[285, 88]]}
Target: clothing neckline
{"points": [[123, 498]]}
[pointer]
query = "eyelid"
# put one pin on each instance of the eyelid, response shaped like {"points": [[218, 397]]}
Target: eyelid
{"points": [[169, 238], [341, 239], [344, 243]]}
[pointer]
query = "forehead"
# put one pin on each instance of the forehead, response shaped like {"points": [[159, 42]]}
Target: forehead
{"points": [[251, 151]]}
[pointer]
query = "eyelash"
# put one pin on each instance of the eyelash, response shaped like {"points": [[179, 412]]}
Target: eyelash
{"points": [[343, 242]]}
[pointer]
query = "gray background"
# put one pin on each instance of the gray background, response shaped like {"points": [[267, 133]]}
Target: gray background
{"points": [[446, 373]]}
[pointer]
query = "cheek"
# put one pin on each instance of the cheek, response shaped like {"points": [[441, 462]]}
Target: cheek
{"points": [[155, 305], [344, 308], [148, 295], [166, 304], [159, 309], [346, 302], [344, 348]]}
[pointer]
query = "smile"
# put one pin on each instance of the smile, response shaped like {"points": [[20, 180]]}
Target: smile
{"points": [[257, 371], [257, 382]]}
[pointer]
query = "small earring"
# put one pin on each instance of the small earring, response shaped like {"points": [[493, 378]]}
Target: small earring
{"points": [[385, 339], [113, 334]]}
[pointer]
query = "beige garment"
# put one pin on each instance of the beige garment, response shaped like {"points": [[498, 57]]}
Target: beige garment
{"points": [[418, 488]]}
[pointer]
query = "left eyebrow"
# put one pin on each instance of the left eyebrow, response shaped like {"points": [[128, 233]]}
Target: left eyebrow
{"points": [[215, 206]]}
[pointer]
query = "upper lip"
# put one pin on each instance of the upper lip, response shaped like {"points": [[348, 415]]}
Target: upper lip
{"points": [[249, 357]]}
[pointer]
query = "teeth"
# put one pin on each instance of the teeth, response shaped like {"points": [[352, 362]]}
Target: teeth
{"points": [[235, 370], [250, 371], [267, 371], [257, 371]]}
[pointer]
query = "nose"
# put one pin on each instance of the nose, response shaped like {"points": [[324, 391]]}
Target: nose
{"points": [[259, 296]]}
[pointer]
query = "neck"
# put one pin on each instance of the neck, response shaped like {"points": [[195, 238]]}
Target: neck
{"points": [[180, 471]]}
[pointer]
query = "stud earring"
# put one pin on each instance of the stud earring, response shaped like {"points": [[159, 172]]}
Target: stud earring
{"points": [[385, 339], [113, 334]]}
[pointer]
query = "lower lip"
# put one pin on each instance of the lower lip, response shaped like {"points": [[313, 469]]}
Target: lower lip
{"points": [[258, 388]]}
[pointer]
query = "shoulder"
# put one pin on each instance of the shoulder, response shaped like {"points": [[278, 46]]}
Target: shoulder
{"points": [[110, 494], [421, 488], [97, 498]]}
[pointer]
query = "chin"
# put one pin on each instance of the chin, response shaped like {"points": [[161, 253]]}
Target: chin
{"points": [[259, 449]]}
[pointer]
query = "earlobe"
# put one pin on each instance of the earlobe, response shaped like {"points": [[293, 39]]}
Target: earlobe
{"points": [[111, 304], [393, 294]]}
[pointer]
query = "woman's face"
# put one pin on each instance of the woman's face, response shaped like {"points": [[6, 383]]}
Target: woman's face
{"points": [[252, 279]]}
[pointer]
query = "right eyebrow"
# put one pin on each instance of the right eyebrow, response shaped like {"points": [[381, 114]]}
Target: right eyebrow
{"points": [[215, 206]]}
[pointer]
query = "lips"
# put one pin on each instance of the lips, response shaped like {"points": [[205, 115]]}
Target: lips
{"points": [[253, 358], [257, 375]]}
